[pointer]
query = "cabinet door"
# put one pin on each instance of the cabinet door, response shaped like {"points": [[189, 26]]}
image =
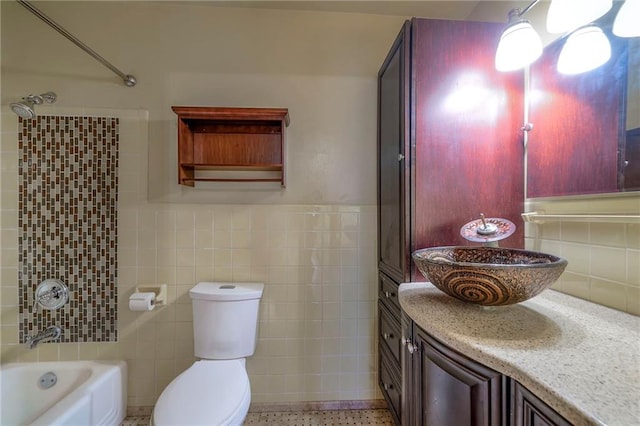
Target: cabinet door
{"points": [[452, 389], [406, 363], [393, 116], [528, 410]]}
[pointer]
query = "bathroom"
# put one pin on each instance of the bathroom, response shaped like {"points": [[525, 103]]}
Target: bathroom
{"points": [[313, 243]]}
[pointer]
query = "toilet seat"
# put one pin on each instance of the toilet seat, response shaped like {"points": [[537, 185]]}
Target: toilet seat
{"points": [[207, 393]]}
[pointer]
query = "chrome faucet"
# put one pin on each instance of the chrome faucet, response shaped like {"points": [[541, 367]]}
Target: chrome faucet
{"points": [[487, 231], [50, 333]]}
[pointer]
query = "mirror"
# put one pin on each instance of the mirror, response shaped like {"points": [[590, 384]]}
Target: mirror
{"points": [[586, 127]]}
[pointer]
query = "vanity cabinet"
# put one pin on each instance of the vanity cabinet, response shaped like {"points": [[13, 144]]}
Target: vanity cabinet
{"points": [[442, 387], [446, 388], [450, 146], [528, 410]]}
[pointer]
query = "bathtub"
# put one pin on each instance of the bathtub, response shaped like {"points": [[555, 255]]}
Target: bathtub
{"points": [[63, 393]]}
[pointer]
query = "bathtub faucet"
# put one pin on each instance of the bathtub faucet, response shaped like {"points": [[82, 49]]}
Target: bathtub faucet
{"points": [[50, 333]]}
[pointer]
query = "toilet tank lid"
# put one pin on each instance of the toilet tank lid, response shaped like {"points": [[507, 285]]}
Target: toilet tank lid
{"points": [[226, 291]]}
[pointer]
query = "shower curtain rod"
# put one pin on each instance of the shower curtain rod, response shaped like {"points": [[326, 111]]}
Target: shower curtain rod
{"points": [[128, 79]]}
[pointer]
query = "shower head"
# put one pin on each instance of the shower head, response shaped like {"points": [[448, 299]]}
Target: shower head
{"points": [[26, 108], [23, 109]]}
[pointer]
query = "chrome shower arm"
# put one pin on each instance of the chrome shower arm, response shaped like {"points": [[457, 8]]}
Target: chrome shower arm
{"points": [[128, 79]]}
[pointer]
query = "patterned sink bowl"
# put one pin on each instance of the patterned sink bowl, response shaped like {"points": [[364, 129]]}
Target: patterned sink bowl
{"points": [[489, 276]]}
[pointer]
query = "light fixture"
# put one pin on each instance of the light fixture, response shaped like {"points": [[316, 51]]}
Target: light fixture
{"points": [[585, 49], [626, 22], [567, 15], [519, 44]]}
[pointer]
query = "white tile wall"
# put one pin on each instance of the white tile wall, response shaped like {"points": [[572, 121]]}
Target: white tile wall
{"points": [[317, 327], [604, 258], [317, 323]]}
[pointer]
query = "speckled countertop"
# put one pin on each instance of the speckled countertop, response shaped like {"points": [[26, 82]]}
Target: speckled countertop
{"points": [[582, 359]]}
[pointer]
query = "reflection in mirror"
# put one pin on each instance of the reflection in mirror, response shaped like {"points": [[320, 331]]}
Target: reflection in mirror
{"points": [[586, 127], [632, 144]]}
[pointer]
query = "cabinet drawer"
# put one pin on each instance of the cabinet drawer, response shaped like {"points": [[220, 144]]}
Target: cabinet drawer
{"points": [[389, 380], [388, 292], [389, 332]]}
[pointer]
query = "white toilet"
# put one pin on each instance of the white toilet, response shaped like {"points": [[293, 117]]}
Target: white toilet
{"points": [[215, 390]]}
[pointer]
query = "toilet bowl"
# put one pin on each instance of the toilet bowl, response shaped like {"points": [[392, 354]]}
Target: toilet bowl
{"points": [[207, 393], [215, 390]]}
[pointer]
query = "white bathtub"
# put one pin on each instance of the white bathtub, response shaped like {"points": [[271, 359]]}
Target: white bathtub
{"points": [[84, 393]]}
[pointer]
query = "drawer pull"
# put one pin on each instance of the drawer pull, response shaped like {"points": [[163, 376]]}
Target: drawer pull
{"points": [[387, 387], [410, 346], [389, 294], [387, 336]]}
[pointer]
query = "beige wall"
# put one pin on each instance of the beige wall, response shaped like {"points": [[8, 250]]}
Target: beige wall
{"points": [[313, 244], [603, 251], [322, 66], [317, 327]]}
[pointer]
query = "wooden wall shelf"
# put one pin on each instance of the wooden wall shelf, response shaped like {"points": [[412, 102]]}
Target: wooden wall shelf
{"points": [[237, 144]]}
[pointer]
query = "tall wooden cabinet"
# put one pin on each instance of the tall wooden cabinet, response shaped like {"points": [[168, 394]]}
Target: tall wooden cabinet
{"points": [[449, 148]]}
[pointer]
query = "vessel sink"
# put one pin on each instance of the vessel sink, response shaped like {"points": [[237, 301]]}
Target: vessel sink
{"points": [[487, 275]]}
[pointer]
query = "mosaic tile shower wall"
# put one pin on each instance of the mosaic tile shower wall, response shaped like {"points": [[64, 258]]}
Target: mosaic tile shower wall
{"points": [[67, 223]]}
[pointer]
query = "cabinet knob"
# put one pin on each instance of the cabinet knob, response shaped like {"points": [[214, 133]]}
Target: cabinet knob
{"points": [[400, 157], [410, 346], [388, 294], [387, 336], [387, 387]]}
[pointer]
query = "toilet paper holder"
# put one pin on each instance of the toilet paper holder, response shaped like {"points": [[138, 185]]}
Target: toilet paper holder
{"points": [[159, 290]]}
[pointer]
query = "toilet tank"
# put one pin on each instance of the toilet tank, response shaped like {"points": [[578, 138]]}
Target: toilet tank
{"points": [[225, 319]]}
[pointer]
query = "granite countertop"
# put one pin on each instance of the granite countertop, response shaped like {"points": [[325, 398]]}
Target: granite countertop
{"points": [[581, 358]]}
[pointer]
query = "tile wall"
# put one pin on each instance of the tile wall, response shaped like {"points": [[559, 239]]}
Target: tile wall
{"points": [[318, 262], [317, 321], [67, 222], [604, 258]]}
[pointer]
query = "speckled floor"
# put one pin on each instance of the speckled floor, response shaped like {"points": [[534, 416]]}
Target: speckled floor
{"points": [[308, 418], [302, 418], [136, 421]]}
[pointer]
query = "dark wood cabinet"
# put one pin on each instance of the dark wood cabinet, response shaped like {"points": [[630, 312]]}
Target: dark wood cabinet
{"points": [[449, 140], [390, 345], [449, 148], [528, 410], [453, 390], [390, 382], [406, 363], [393, 161], [442, 387]]}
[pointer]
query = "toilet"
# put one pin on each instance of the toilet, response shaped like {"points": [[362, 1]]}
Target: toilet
{"points": [[215, 390]]}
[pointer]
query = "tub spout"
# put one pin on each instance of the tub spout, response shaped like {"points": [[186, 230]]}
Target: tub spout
{"points": [[50, 333]]}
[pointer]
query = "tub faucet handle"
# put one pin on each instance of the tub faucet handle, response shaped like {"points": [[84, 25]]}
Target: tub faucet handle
{"points": [[52, 332], [51, 294]]}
